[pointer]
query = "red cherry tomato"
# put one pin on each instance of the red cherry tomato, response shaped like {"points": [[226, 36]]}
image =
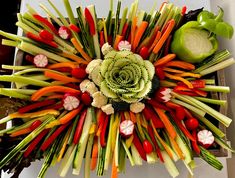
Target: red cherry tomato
{"points": [[148, 148], [46, 35], [86, 98], [35, 124], [191, 123], [144, 52], [79, 73]]}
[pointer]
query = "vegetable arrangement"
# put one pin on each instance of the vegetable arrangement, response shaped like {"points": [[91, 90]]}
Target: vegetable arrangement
{"points": [[134, 86]]}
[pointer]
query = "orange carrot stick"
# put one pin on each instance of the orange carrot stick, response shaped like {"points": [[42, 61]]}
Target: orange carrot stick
{"points": [[94, 154], [45, 90], [133, 117], [55, 96], [74, 58], [181, 65], [80, 50], [114, 173], [169, 127], [164, 37], [21, 132], [189, 74], [164, 60], [133, 29], [60, 77], [177, 148], [173, 77], [157, 38], [117, 40], [173, 70], [71, 65], [139, 34]]}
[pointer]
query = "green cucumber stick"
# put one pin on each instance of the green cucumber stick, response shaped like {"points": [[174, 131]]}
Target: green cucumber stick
{"points": [[123, 20]]}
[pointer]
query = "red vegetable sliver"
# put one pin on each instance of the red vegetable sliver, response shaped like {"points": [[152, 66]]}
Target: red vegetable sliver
{"points": [[90, 21], [52, 138], [36, 105], [78, 131], [103, 132], [194, 143], [74, 28], [45, 22], [102, 41], [139, 147]]}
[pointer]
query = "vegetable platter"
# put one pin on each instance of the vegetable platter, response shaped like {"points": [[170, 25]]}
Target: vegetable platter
{"points": [[134, 84]]}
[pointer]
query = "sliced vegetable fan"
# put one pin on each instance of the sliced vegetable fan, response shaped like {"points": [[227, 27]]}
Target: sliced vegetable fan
{"points": [[135, 86]]}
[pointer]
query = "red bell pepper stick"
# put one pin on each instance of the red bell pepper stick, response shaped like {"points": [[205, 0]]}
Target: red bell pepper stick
{"points": [[90, 21], [36, 105], [200, 92], [52, 138], [124, 30], [39, 39], [122, 116], [160, 73], [167, 46], [194, 143], [158, 151], [55, 106], [35, 125], [181, 127], [45, 22], [35, 142], [64, 69], [156, 104], [102, 41], [150, 114], [187, 114], [189, 93], [198, 83], [103, 132], [74, 28], [78, 131], [139, 147], [180, 113]]}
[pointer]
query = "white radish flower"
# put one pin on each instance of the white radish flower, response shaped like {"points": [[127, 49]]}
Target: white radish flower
{"points": [[163, 94], [126, 128], [70, 102], [40, 60], [124, 45], [205, 138], [64, 32]]}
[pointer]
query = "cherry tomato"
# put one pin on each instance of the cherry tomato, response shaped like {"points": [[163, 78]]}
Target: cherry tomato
{"points": [[86, 98], [79, 73], [46, 35], [144, 52], [191, 123], [148, 148], [180, 113], [35, 124]]}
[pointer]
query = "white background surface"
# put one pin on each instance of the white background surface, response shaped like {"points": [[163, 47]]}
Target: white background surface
{"points": [[157, 170]]}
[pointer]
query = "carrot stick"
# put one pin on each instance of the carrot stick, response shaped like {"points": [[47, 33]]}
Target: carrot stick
{"points": [[45, 90], [59, 77], [173, 77], [161, 141], [173, 70], [114, 173], [63, 148], [157, 38], [133, 117], [94, 154], [164, 60], [139, 34], [116, 42], [189, 74], [80, 50], [169, 127], [133, 29], [181, 64], [164, 37], [177, 148], [21, 132], [74, 58], [55, 96], [71, 65]]}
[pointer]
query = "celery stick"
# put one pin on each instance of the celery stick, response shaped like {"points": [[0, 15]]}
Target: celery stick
{"points": [[218, 66], [163, 16], [10, 36], [211, 88], [25, 141], [26, 80], [20, 91], [69, 12], [169, 165], [136, 156], [210, 81], [81, 147], [10, 43], [14, 94], [116, 149], [29, 47], [67, 160], [212, 101], [190, 107], [151, 157], [123, 20], [116, 22], [171, 10], [32, 25], [128, 153], [29, 70], [9, 67], [223, 144], [30, 9], [57, 20], [87, 170], [122, 159]]}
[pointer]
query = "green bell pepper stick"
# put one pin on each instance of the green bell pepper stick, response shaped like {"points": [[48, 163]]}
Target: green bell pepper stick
{"points": [[192, 43], [215, 24]]}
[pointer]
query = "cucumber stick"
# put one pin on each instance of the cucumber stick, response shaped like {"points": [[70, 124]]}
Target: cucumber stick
{"points": [[136, 156], [91, 8], [77, 164], [169, 165], [88, 156], [185, 149]]}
